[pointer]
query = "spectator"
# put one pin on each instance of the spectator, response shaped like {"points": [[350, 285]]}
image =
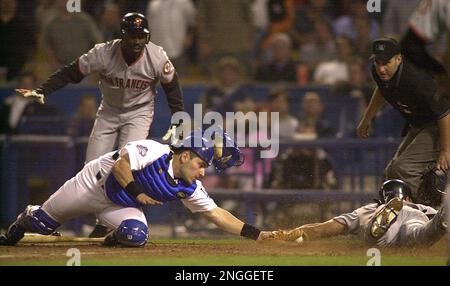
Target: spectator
{"points": [[279, 102], [23, 115], [172, 26], [260, 22], [110, 19], [321, 48], [396, 16], [280, 67], [346, 25], [281, 18], [63, 49], [362, 43], [229, 86], [311, 122], [358, 83], [83, 120], [304, 27], [305, 167], [135, 5], [224, 29], [15, 105], [335, 71], [45, 12], [17, 35]]}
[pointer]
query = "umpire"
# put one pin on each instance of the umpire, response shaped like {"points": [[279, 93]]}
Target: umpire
{"points": [[412, 91]]}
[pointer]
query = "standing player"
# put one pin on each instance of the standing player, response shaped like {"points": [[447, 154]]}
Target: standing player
{"points": [[394, 221], [129, 69], [412, 91], [431, 21], [116, 186]]}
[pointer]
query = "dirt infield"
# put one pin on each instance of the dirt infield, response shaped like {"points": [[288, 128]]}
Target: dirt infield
{"points": [[166, 250]]}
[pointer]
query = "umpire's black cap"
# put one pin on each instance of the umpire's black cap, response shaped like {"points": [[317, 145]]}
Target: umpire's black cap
{"points": [[385, 48]]}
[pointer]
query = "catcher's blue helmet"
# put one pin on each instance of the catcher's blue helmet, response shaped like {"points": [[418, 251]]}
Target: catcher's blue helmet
{"points": [[394, 189], [199, 145]]}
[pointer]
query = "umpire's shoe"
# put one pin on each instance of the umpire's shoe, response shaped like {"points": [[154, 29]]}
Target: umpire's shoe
{"points": [[385, 217], [99, 231], [442, 217]]}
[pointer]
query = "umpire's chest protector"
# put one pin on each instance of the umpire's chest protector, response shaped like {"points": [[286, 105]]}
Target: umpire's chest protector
{"points": [[155, 182]]}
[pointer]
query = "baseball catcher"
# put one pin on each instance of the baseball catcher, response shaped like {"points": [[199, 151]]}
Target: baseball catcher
{"points": [[118, 184]]}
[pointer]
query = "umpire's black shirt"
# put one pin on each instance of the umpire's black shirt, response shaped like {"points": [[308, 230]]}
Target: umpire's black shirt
{"points": [[412, 92]]}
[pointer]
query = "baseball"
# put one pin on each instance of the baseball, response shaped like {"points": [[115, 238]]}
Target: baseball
{"points": [[299, 240]]}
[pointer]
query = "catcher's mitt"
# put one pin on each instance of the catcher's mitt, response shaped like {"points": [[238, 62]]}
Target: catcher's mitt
{"points": [[296, 234], [432, 189]]}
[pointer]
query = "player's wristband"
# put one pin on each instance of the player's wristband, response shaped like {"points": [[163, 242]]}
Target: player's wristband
{"points": [[133, 189], [250, 231]]}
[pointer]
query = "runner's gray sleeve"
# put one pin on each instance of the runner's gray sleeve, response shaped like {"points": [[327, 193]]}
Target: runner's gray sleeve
{"points": [[92, 61], [174, 94], [65, 75], [351, 220], [414, 48]]}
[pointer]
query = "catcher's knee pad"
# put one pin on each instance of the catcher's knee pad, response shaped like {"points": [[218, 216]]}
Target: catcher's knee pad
{"points": [[132, 232], [34, 219]]}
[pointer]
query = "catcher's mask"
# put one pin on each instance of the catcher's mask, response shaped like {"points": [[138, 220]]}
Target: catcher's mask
{"points": [[394, 189], [227, 154], [221, 150]]}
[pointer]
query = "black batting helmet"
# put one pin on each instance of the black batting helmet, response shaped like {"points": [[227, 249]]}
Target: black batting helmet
{"points": [[394, 189], [134, 23]]}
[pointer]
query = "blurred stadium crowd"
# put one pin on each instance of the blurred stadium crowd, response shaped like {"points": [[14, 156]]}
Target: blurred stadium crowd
{"points": [[296, 41]]}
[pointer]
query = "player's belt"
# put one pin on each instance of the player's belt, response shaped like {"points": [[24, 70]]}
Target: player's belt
{"points": [[114, 156]]}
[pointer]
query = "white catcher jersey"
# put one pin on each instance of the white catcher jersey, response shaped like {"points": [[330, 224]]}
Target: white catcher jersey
{"points": [[124, 86], [431, 20], [144, 152]]}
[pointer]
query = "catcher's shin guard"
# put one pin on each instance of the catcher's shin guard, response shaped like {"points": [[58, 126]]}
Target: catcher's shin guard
{"points": [[32, 219], [385, 217]]}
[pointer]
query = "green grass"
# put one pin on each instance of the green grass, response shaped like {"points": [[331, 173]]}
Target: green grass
{"points": [[246, 261]]}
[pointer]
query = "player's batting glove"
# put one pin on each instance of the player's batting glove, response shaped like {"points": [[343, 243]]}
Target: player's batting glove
{"points": [[33, 94], [171, 133]]}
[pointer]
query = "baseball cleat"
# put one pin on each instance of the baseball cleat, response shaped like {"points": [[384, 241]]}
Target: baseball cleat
{"points": [[442, 216], [3, 240], [110, 239], [99, 231], [385, 217]]}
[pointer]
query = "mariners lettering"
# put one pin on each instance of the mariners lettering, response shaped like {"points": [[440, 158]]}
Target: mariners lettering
{"points": [[129, 83]]}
